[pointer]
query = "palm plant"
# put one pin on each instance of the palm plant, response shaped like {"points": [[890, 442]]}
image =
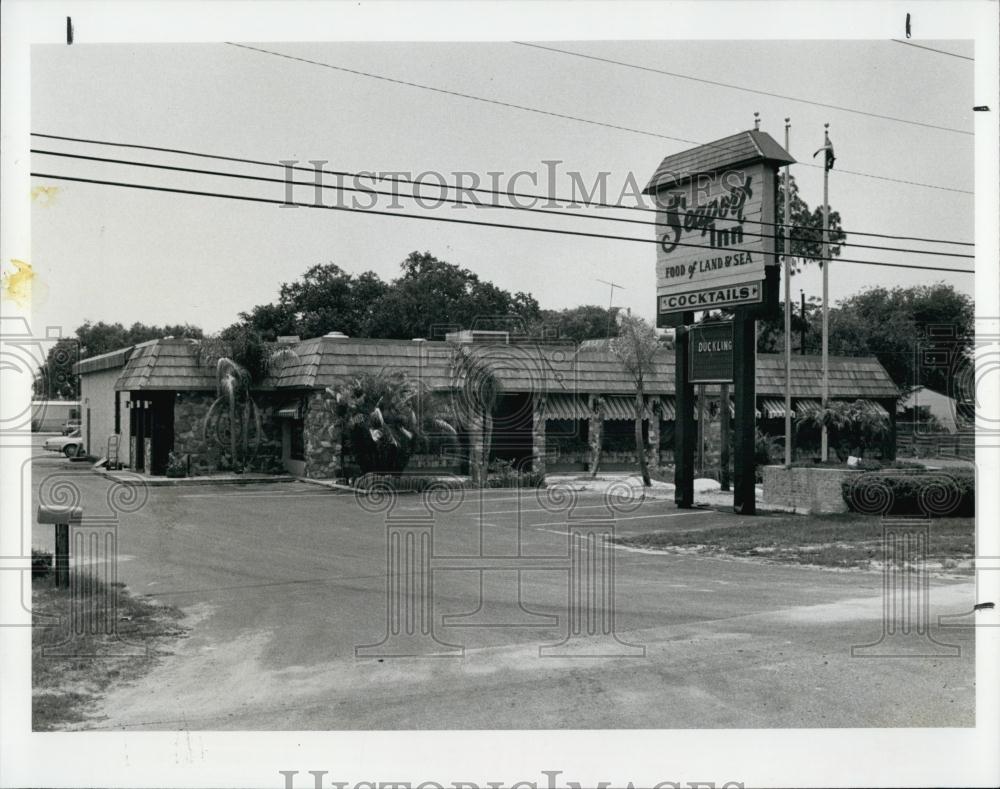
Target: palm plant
{"points": [[232, 387], [477, 392], [852, 427], [384, 416], [636, 346], [240, 359]]}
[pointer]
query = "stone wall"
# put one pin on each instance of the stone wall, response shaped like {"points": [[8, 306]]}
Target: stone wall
{"points": [[207, 456], [190, 409], [806, 490], [323, 445]]}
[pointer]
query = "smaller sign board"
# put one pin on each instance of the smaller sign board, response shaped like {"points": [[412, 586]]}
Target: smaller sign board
{"points": [[711, 353], [728, 296]]}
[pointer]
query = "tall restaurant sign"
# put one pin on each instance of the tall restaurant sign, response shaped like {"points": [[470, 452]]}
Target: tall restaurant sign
{"points": [[715, 223], [715, 248]]}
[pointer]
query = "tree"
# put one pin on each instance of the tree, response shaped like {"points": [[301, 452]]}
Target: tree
{"points": [[327, 298], [853, 427], [771, 331], [596, 436], [806, 228], [270, 321], [477, 391], [233, 395], [922, 335], [55, 378], [101, 337], [240, 358], [384, 416], [432, 295], [636, 346], [587, 322]]}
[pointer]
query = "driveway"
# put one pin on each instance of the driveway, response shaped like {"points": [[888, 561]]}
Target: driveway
{"points": [[281, 583]]}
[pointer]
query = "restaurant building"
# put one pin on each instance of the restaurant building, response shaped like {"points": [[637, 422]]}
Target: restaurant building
{"points": [[153, 399]]}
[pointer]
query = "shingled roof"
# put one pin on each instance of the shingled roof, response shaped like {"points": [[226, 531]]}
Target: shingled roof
{"points": [[165, 365], [520, 367], [540, 367], [850, 377], [739, 149]]}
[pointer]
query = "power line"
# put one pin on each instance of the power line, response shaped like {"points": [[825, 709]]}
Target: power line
{"points": [[931, 49], [455, 201], [562, 116], [460, 188], [557, 231], [744, 89]]}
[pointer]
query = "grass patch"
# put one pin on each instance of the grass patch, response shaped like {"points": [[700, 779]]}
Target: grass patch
{"points": [[842, 541], [64, 688]]}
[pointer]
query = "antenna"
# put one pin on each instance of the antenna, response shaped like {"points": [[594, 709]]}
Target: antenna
{"points": [[611, 300]]}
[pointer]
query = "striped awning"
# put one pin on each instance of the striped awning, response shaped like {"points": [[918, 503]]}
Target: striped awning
{"points": [[773, 409], [616, 407], [804, 407], [619, 407], [290, 411], [566, 406]]}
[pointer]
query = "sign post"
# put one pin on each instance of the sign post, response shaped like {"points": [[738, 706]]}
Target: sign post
{"points": [[716, 250]]}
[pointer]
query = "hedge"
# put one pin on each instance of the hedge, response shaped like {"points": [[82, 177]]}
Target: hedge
{"points": [[908, 491]]}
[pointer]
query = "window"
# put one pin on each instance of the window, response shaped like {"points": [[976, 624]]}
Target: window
{"points": [[118, 413], [297, 443]]}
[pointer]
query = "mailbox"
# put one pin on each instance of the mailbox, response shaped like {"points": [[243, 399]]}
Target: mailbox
{"points": [[61, 517]]}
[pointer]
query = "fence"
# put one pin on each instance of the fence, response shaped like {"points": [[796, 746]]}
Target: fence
{"points": [[933, 445]]}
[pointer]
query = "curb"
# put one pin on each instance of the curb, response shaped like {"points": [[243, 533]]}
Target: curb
{"points": [[323, 483], [187, 481]]}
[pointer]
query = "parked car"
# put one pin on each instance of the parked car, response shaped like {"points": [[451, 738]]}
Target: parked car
{"points": [[71, 446], [71, 425]]}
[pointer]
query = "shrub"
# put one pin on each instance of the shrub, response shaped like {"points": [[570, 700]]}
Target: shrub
{"points": [[405, 483], [502, 474], [41, 563], [853, 428], [177, 465], [910, 491]]}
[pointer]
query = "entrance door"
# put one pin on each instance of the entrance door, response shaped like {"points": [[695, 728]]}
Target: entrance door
{"points": [[138, 426], [162, 431], [512, 428]]}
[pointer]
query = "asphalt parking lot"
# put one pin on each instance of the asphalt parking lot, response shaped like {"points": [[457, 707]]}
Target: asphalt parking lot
{"points": [[282, 582]]}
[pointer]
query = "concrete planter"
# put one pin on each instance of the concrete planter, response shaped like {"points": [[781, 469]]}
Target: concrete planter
{"points": [[808, 491]]}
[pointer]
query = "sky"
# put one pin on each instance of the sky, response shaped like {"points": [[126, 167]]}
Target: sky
{"points": [[104, 253]]}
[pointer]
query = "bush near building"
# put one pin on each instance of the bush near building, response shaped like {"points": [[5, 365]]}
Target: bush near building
{"points": [[910, 491]]}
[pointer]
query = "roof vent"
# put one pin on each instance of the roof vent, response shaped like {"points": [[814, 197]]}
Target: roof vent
{"points": [[478, 336], [336, 335]]}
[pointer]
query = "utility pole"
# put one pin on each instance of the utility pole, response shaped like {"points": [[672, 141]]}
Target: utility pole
{"points": [[786, 248], [825, 263], [802, 329], [611, 300]]}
